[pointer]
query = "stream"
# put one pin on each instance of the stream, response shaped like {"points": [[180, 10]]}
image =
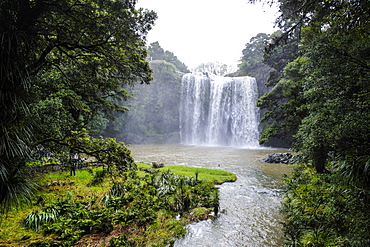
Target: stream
{"points": [[249, 206]]}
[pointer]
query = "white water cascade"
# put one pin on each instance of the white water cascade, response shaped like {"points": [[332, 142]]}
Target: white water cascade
{"points": [[216, 110]]}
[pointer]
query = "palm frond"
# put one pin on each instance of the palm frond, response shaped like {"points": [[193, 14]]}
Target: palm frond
{"points": [[16, 186], [356, 171]]}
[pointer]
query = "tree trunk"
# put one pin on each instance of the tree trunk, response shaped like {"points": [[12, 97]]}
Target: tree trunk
{"points": [[319, 159]]}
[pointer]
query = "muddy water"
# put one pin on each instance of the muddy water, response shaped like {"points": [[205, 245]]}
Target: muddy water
{"points": [[250, 205]]}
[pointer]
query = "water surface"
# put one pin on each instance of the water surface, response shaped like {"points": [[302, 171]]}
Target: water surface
{"points": [[250, 205]]}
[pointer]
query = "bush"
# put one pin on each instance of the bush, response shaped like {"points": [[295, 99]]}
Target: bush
{"points": [[98, 176], [322, 210], [36, 219], [135, 203]]}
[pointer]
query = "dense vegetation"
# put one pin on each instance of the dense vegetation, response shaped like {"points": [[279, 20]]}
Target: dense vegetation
{"points": [[323, 209], [108, 207], [63, 68], [319, 103], [252, 64], [66, 69]]}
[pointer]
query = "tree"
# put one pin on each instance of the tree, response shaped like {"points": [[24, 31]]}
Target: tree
{"points": [[284, 104], [153, 115], [337, 85], [333, 41], [73, 56], [251, 63], [330, 78], [154, 109], [215, 68], [278, 127], [156, 52]]}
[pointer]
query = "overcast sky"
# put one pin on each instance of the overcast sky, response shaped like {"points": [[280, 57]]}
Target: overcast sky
{"points": [[200, 31]]}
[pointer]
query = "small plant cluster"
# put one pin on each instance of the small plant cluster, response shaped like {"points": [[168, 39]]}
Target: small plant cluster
{"points": [[325, 210], [139, 209]]}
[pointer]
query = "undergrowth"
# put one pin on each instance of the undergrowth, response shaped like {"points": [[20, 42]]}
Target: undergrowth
{"points": [[133, 208], [325, 210]]}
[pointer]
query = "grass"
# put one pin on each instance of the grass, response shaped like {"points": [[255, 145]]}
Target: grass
{"points": [[205, 174], [54, 185], [12, 233]]}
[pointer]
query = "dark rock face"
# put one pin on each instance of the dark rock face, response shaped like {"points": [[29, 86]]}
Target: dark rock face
{"points": [[284, 158]]}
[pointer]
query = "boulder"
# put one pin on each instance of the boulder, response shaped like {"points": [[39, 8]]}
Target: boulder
{"points": [[284, 158]]}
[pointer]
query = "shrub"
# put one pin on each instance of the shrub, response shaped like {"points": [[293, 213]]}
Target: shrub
{"points": [[322, 210], [36, 219]]}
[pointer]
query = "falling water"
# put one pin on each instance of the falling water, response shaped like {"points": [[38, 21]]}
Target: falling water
{"points": [[217, 110]]}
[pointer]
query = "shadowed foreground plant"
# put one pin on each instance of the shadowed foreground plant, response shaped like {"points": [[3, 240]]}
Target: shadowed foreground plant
{"points": [[35, 220], [16, 186]]}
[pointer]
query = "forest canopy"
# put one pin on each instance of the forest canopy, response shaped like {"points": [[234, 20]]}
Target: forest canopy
{"points": [[320, 80], [319, 102], [62, 70]]}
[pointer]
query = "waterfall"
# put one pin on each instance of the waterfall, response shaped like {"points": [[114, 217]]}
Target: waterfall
{"points": [[217, 110]]}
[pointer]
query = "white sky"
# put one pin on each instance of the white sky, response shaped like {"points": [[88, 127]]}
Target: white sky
{"points": [[201, 31]]}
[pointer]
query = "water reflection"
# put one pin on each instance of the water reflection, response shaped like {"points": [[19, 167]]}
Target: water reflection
{"points": [[251, 204]]}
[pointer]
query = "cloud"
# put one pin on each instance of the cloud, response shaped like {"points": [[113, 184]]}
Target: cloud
{"points": [[200, 31]]}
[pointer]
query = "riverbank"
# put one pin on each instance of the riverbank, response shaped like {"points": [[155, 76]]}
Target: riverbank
{"points": [[250, 205], [98, 208]]}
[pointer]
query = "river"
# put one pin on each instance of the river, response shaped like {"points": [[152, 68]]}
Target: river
{"points": [[250, 205]]}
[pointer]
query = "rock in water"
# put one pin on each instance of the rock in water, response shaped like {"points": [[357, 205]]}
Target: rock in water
{"points": [[284, 158]]}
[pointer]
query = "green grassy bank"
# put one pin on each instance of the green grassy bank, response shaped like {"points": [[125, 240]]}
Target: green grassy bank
{"points": [[101, 207], [214, 176]]}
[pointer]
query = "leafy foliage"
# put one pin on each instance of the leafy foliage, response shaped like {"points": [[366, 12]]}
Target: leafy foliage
{"points": [[156, 52], [320, 98], [323, 210], [283, 117], [63, 67], [268, 69], [107, 151], [251, 62], [35, 220], [136, 205]]}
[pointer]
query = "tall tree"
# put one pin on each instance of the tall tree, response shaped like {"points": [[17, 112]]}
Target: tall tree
{"points": [[337, 84], [68, 59], [251, 63], [278, 127], [333, 38]]}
